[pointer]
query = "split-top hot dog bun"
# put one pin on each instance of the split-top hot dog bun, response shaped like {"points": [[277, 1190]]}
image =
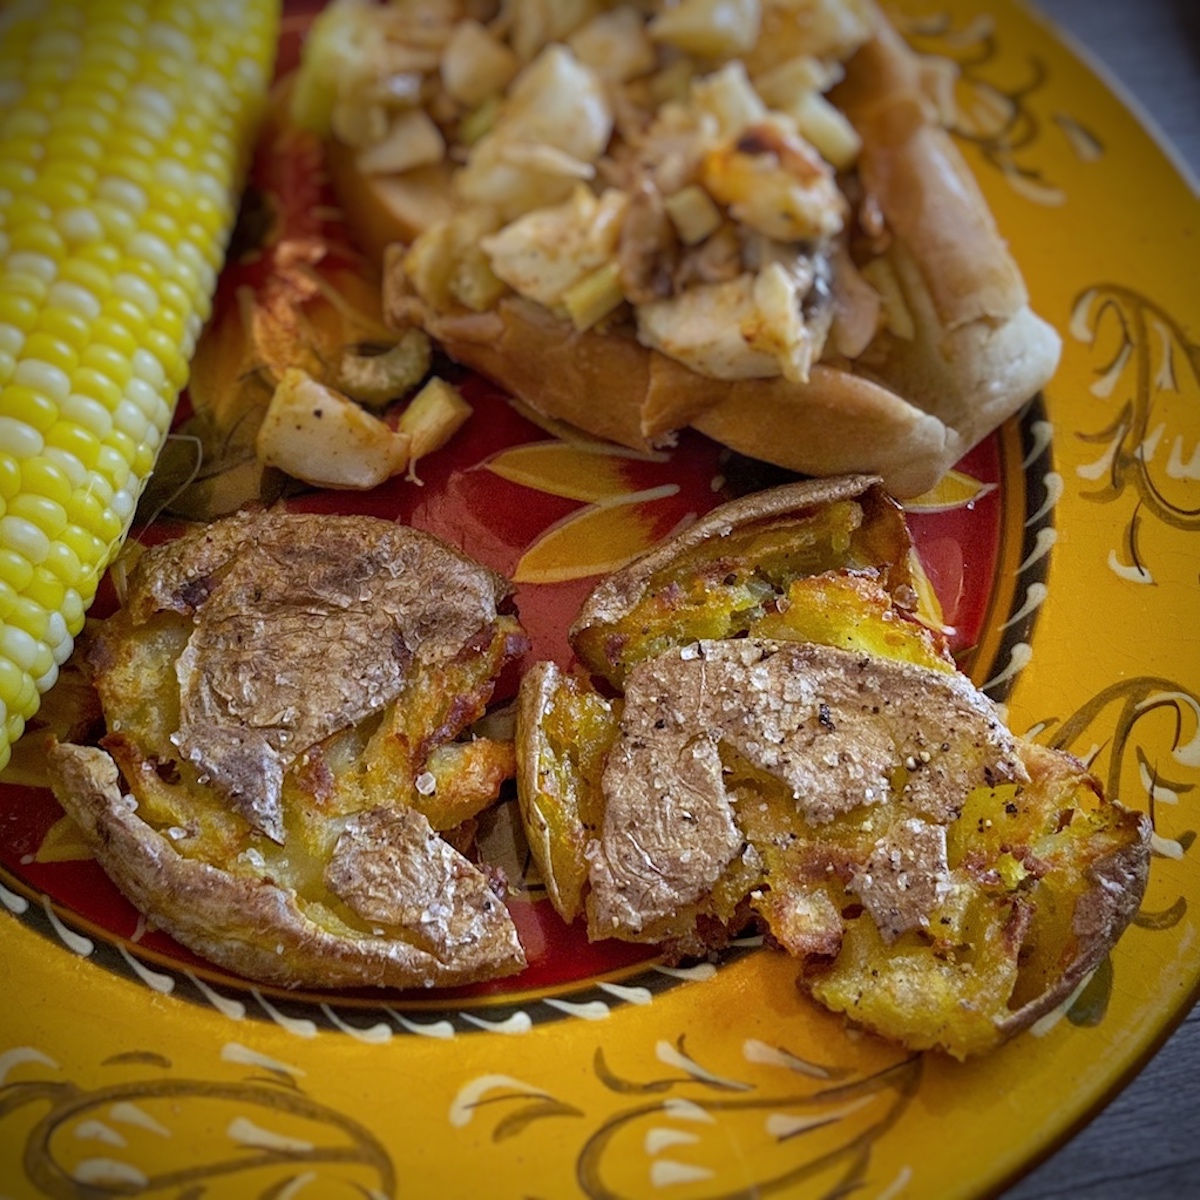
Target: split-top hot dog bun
{"points": [[636, 219]]}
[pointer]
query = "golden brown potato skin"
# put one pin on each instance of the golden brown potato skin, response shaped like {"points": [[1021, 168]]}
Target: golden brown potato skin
{"points": [[791, 747], [717, 532], [254, 927], [782, 534], [284, 694]]}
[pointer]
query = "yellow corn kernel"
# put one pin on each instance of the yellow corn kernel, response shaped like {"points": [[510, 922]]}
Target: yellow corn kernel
{"points": [[126, 128]]}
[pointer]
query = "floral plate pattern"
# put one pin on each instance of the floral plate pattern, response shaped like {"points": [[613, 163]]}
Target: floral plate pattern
{"points": [[1064, 552]]}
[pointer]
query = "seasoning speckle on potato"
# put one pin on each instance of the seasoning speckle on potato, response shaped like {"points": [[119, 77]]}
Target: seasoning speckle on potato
{"points": [[285, 695], [792, 748]]}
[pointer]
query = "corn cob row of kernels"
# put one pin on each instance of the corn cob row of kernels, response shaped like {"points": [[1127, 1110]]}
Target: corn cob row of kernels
{"points": [[124, 128]]}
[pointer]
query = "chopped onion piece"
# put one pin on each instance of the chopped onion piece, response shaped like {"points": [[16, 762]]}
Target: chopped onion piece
{"points": [[693, 213], [710, 28], [595, 296], [476, 65], [412, 141]]}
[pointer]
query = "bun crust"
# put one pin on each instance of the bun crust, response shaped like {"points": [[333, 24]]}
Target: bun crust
{"points": [[607, 384]]}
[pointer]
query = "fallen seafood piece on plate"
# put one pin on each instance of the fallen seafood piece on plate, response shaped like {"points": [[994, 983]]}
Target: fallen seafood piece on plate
{"points": [[744, 217], [791, 747], [287, 783]]}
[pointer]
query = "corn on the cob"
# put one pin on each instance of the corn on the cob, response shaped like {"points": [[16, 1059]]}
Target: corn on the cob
{"points": [[124, 125]]}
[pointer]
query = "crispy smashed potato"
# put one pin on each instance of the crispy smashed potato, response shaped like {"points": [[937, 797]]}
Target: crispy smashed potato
{"points": [[289, 780], [733, 569], [792, 748]]}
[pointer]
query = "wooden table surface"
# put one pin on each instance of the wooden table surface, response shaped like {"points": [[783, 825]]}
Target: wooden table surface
{"points": [[1145, 1145]]}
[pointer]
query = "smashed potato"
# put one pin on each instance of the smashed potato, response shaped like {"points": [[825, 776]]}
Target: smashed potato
{"points": [[791, 747], [732, 570], [287, 784]]}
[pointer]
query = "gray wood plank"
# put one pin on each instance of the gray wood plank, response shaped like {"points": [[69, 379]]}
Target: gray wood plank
{"points": [[1145, 1144]]}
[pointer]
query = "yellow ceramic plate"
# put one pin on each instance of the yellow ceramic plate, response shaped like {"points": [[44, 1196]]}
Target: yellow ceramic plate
{"points": [[133, 1068]]}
